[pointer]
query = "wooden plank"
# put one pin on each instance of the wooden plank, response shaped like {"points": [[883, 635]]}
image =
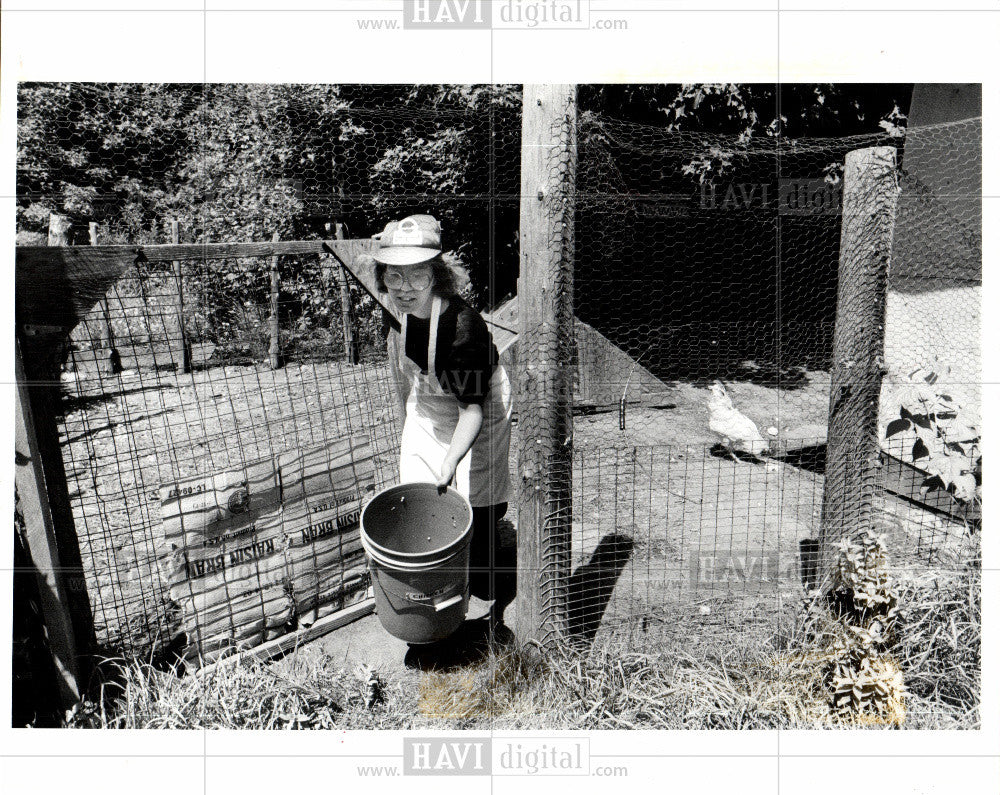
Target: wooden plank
{"points": [[503, 325], [350, 346], [109, 362], [59, 228], [38, 391], [366, 278], [56, 287], [42, 546], [274, 346], [280, 646], [98, 259]]}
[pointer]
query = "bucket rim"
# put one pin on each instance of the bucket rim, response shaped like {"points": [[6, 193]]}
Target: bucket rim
{"points": [[414, 559], [411, 566]]}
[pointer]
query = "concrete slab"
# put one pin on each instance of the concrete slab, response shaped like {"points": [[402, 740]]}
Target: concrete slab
{"points": [[366, 642]]}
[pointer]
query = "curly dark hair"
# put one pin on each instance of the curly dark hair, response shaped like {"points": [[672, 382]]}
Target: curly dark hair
{"points": [[450, 276]]}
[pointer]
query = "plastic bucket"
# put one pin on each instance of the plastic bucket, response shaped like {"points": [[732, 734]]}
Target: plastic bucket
{"points": [[417, 542]]}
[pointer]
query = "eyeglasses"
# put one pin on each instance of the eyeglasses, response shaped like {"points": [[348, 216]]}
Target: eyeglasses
{"points": [[395, 280]]}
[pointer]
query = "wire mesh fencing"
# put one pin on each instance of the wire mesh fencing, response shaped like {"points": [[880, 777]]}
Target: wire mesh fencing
{"points": [[141, 441], [930, 412], [698, 278], [708, 276], [666, 536], [222, 416]]}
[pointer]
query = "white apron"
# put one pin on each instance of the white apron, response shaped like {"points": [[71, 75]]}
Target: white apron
{"points": [[483, 474]]}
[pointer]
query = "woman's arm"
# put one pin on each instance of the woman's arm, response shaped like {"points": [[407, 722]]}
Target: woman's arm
{"points": [[470, 421]]}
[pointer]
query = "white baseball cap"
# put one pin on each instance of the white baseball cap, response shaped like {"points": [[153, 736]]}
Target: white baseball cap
{"points": [[415, 239]]}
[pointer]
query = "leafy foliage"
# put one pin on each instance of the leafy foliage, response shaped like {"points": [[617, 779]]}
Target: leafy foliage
{"points": [[939, 435], [245, 162], [865, 684], [752, 112]]}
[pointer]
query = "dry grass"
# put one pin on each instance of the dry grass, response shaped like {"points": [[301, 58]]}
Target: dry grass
{"points": [[939, 647], [751, 680]]}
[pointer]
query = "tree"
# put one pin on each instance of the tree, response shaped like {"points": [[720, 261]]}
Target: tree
{"points": [[99, 153], [241, 162], [752, 114]]}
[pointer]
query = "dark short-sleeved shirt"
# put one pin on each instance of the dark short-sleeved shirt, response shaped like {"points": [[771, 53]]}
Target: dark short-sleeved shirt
{"points": [[466, 356]]}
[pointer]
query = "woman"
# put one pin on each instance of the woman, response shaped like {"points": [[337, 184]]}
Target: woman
{"points": [[454, 396]]}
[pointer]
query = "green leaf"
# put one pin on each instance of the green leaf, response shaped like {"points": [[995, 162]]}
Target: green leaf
{"points": [[920, 450]]}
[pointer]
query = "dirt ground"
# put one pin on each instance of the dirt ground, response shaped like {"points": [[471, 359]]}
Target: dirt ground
{"points": [[666, 527]]}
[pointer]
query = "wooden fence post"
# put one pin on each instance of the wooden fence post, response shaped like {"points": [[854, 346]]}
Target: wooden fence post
{"points": [[110, 362], [545, 350], [852, 451], [59, 226], [57, 353], [42, 546], [40, 479], [182, 348], [274, 349], [350, 344]]}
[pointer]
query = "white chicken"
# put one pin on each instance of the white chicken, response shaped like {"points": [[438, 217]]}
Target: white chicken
{"points": [[738, 431]]}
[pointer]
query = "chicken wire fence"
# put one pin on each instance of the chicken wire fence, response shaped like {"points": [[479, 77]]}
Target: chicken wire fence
{"points": [[716, 440], [259, 380], [695, 258]]}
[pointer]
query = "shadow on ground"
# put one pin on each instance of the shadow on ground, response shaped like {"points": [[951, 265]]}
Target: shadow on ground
{"points": [[811, 459], [468, 645], [591, 585]]}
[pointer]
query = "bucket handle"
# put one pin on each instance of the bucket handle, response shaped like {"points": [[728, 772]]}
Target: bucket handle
{"points": [[439, 606]]}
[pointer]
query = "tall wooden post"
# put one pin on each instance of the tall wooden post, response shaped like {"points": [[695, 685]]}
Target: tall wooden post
{"points": [[350, 344], [274, 349], [852, 452], [110, 362], [182, 348], [545, 350], [40, 532], [40, 479]]}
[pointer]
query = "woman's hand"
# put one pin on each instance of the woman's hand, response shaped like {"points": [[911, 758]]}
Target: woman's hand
{"points": [[470, 421], [448, 467]]}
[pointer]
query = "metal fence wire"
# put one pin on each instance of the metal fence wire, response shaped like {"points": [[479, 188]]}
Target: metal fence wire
{"points": [[222, 373], [683, 465], [703, 263]]}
